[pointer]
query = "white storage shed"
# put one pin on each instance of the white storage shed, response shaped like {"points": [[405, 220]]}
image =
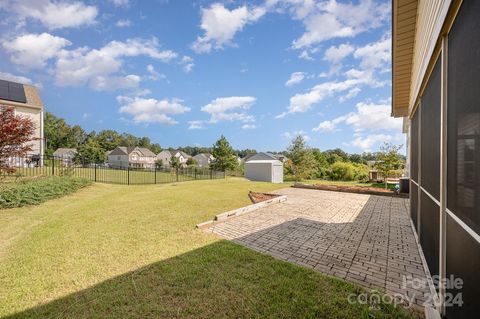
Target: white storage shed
{"points": [[264, 167]]}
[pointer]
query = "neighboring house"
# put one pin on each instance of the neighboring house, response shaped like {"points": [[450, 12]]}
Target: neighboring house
{"points": [[203, 159], [66, 155], [435, 88], [26, 101], [135, 157], [166, 156]]}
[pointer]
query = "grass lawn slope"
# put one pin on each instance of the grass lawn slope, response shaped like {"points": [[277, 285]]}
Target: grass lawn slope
{"points": [[111, 251], [39, 190]]}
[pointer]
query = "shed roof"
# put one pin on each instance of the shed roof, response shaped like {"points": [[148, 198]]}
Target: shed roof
{"points": [[262, 158]]}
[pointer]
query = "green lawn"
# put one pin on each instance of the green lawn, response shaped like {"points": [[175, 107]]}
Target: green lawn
{"points": [[113, 251]]}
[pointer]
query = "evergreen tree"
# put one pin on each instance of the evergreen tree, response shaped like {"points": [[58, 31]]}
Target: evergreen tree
{"points": [[225, 157]]}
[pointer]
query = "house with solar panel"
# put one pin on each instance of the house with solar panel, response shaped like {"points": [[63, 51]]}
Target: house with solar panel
{"points": [[26, 101]]}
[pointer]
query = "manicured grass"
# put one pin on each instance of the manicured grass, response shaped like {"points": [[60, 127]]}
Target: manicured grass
{"points": [[113, 251], [39, 190]]}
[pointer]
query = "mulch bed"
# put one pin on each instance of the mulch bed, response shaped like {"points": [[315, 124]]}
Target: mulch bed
{"points": [[353, 189], [256, 197]]}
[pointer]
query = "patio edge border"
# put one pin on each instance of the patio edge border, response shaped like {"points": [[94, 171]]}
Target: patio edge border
{"points": [[241, 211]]}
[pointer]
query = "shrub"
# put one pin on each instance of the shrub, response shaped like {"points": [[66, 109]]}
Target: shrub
{"points": [[360, 172], [36, 191], [342, 171]]}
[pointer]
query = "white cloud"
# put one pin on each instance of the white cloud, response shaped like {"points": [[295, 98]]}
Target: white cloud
{"points": [[153, 74], [54, 14], [123, 23], [303, 102], [151, 110], [305, 55], [187, 63], [33, 50], [195, 125], [350, 95], [366, 143], [249, 126], [120, 3], [15, 78], [230, 109], [85, 65], [325, 126], [295, 78], [368, 116], [376, 55], [331, 19], [221, 24], [336, 54], [294, 134], [110, 83]]}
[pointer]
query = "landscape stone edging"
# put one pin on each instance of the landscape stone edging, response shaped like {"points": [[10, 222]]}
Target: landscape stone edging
{"points": [[241, 211], [346, 190]]}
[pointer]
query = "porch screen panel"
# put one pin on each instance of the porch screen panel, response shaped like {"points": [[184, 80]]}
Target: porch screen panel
{"points": [[414, 204], [464, 267], [414, 152], [414, 145], [463, 163], [430, 132], [430, 168], [430, 232], [463, 176]]}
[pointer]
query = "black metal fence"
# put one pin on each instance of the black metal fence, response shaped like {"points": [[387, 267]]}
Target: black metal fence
{"points": [[33, 166]]}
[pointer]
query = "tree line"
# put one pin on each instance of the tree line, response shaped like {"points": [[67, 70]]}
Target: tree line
{"points": [[310, 163], [92, 146], [302, 162]]}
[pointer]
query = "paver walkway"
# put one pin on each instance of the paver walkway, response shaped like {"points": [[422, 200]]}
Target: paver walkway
{"points": [[361, 238]]}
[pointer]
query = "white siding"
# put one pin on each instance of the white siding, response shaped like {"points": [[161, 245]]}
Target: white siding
{"points": [[264, 171], [430, 18], [36, 116]]}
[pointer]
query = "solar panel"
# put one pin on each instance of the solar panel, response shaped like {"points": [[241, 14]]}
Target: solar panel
{"points": [[3, 90], [12, 91]]}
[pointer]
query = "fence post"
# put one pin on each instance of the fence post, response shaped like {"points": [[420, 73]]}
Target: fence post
{"points": [[128, 175], [195, 172], [53, 166], [177, 172], [155, 172], [95, 172], [224, 174], [211, 174]]}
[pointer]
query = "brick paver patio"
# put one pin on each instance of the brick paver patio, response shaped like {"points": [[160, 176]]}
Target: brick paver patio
{"points": [[360, 238]]}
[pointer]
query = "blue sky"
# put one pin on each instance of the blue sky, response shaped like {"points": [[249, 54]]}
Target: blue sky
{"points": [[184, 72]]}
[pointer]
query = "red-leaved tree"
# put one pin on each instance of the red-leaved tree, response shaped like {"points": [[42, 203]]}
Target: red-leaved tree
{"points": [[15, 133]]}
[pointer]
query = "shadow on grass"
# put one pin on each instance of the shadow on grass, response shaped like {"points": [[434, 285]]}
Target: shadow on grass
{"points": [[216, 281]]}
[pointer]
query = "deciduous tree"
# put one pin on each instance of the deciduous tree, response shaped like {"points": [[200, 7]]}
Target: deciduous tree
{"points": [[300, 159], [388, 159], [15, 133]]}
